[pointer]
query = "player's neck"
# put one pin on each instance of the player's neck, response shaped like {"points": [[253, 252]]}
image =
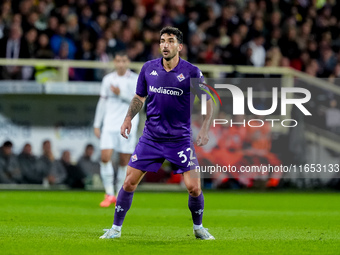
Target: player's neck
{"points": [[171, 64], [122, 73]]}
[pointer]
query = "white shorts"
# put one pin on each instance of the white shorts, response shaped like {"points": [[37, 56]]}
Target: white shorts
{"points": [[114, 140]]}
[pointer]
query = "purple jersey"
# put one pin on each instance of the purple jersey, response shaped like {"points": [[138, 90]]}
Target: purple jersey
{"points": [[169, 99]]}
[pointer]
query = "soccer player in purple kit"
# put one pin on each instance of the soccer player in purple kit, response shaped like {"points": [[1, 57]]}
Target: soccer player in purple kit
{"points": [[167, 133]]}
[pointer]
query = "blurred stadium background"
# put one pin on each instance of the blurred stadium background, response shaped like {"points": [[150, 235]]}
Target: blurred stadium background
{"points": [[55, 53]]}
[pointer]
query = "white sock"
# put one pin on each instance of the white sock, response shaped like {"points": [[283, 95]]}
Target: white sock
{"points": [[120, 177], [107, 174], [118, 228], [197, 226]]}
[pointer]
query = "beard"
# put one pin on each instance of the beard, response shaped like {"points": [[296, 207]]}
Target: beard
{"points": [[169, 57]]}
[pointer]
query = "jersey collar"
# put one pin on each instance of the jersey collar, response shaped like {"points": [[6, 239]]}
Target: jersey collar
{"points": [[127, 73], [173, 70]]}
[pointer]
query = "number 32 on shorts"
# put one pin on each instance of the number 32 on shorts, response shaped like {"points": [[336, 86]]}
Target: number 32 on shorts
{"points": [[185, 158]]}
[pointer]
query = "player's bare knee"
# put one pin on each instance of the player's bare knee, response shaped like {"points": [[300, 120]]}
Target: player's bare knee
{"points": [[124, 159], [129, 185], [194, 191], [123, 162], [105, 159]]}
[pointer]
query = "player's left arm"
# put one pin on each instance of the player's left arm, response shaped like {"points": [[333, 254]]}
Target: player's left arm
{"points": [[203, 135], [115, 90]]}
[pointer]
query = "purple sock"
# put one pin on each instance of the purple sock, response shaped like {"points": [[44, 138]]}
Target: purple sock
{"points": [[123, 204], [196, 206]]}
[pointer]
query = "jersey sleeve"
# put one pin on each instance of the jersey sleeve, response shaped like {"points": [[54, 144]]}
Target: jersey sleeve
{"points": [[199, 85], [141, 89], [101, 105], [100, 113], [104, 89]]}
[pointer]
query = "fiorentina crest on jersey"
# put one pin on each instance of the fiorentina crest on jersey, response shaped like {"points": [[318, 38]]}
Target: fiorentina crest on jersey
{"points": [[180, 77], [134, 158]]}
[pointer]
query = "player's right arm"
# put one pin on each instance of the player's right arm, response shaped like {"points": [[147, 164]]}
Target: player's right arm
{"points": [[136, 102], [101, 107], [135, 106], [99, 116]]}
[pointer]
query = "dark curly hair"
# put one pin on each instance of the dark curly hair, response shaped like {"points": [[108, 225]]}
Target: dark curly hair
{"points": [[173, 30]]}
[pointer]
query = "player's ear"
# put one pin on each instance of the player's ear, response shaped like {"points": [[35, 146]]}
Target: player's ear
{"points": [[180, 47]]}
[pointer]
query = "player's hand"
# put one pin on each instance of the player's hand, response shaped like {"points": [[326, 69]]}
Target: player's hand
{"points": [[115, 90], [202, 138], [97, 132], [126, 128]]}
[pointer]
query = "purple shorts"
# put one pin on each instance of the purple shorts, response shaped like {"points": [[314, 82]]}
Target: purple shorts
{"points": [[149, 155]]}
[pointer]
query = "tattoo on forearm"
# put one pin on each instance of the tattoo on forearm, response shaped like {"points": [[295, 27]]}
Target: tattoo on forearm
{"points": [[135, 106]]}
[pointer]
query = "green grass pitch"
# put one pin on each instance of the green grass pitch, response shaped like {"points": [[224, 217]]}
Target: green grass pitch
{"points": [[45, 222]]}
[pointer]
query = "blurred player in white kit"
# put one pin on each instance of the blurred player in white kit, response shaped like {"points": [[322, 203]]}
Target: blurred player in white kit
{"points": [[117, 90]]}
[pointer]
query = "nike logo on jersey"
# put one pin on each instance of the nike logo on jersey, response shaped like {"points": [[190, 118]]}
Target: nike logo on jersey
{"points": [[154, 73]]}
